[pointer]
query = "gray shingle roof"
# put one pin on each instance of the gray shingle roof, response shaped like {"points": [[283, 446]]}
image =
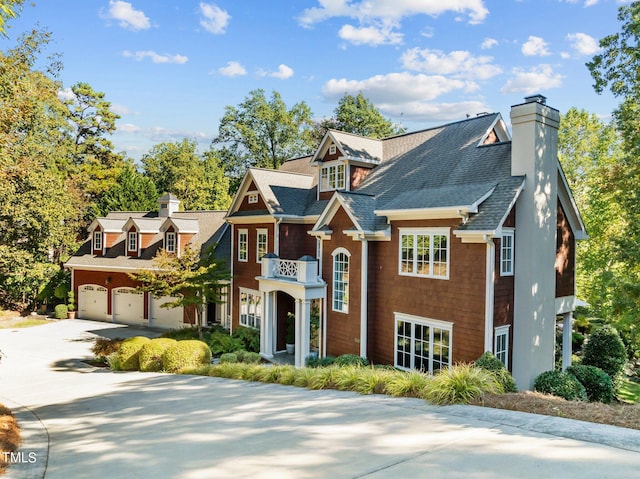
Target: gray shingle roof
{"points": [[362, 209], [283, 192], [354, 146]]}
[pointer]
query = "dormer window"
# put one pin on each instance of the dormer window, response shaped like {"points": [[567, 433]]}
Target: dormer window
{"points": [[170, 242], [253, 198], [132, 241], [332, 177], [97, 240], [332, 150]]}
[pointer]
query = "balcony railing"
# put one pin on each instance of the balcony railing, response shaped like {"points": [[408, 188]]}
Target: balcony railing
{"points": [[303, 270]]}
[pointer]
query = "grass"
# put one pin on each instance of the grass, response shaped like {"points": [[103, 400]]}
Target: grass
{"points": [[12, 319], [9, 436], [629, 392]]}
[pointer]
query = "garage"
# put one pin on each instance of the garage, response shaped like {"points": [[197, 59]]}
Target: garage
{"points": [[167, 318], [92, 302], [128, 306]]}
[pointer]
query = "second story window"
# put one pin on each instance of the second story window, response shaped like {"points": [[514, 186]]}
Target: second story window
{"points": [[243, 245], [332, 177], [424, 252], [170, 242], [262, 243], [132, 243], [506, 253], [97, 241]]}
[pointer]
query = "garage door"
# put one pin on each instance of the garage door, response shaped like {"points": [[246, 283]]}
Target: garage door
{"points": [[168, 318], [92, 302], [128, 306]]}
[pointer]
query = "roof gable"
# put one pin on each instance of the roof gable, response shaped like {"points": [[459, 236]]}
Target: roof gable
{"points": [[351, 147]]}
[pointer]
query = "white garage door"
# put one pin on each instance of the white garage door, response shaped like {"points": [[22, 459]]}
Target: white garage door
{"points": [[92, 302], [169, 318], [128, 306]]}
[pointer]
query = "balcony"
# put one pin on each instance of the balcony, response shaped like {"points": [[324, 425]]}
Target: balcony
{"points": [[303, 270]]}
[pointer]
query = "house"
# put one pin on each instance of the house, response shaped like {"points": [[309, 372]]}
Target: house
{"points": [[124, 242], [418, 251]]}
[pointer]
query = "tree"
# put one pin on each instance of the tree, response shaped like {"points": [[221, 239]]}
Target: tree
{"points": [[358, 115], [131, 192], [8, 9], [263, 133], [194, 281]]}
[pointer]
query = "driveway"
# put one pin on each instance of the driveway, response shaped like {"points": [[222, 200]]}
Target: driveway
{"points": [[84, 422]]}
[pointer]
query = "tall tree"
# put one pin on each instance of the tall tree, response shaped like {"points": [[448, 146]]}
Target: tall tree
{"points": [[8, 9], [131, 192], [262, 132], [358, 115]]}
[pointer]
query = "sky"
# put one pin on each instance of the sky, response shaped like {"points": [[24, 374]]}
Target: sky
{"points": [[169, 67]]}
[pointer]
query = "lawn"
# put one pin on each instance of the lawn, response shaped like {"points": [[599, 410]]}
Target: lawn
{"points": [[12, 319], [629, 392]]}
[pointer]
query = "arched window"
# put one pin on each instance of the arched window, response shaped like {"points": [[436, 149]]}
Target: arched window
{"points": [[341, 280]]}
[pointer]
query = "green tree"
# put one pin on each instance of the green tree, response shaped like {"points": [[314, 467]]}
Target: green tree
{"points": [[131, 192], [262, 132], [8, 9], [194, 280], [358, 115]]}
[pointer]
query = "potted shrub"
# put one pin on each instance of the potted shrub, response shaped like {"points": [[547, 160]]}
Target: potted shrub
{"points": [[71, 306], [290, 339]]}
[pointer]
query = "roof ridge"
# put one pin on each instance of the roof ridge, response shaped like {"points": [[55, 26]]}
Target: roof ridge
{"points": [[280, 171], [354, 134], [444, 125]]}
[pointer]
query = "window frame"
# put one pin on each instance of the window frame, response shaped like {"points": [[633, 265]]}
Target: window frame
{"points": [[97, 240], [254, 309], [243, 245], [507, 265], [501, 331], [432, 324], [252, 198], [417, 260], [344, 289], [170, 234], [260, 232], [132, 240], [329, 175]]}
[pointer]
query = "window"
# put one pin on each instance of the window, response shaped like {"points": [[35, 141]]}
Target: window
{"points": [[501, 345], [262, 244], [170, 242], [243, 239], [332, 149], [133, 241], [250, 308], [506, 253], [253, 198], [424, 252], [97, 240], [341, 280], [422, 344], [332, 177]]}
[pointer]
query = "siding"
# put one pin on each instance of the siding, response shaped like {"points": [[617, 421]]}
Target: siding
{"points": [[565, 256], [295, 242]]}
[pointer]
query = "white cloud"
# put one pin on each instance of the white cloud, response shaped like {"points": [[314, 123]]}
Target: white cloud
{"points": [[120, 109], [283, 72], [534, 80], [128, 128], [535, 46], [391, 11], [488, 43], [233, 69], [459, 64], [155, 57], [583, 44], [215, 20], [127, 16], [369, 35], [589, 3], [66, 94], [160, 134], [436, 112]]}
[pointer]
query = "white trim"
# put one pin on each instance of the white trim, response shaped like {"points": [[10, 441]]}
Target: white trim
{"points": [[565, 304], [501, 131], [231, 287], [345, 303], [332, 149], [431, 323], [430, 232], [364, 282], [571, 209], [507, 233], [257, 318], [489, 294], [130, 236], [335, 166], [500, 331], [166, 238], [341, 250], [96, 235], [252, 198], [265, 232], [245, 232]]}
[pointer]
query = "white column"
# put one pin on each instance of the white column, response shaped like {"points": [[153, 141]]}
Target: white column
{"points": [[567, 328], [363, 297], [266, 328], [303, 330], [489, 295]]}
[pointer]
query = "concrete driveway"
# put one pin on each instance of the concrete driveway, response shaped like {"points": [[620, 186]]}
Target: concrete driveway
{"points": [[83, 422]]}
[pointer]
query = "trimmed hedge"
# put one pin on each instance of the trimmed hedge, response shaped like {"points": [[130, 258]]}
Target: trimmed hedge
{"points": [[151, 354], [560, 384], [60, 311], [605, 350], [229, 358], [129, 353], [596, 382], [489, 362], [186, 354]]}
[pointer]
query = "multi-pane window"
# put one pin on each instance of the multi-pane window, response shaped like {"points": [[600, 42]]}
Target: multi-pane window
{"points": [[506, 253], [422, 344], [97, 240], [250, 308], [262, 244], [253, 198], [501, 345], [332, 177], [243, 245], [170, 242], [341, 281], [133, 241], [424, 252]]}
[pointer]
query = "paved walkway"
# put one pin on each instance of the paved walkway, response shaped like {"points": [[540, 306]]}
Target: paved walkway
{"points": [[83, 422]]}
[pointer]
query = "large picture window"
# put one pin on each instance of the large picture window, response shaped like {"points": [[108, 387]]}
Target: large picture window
{"points": [[250, 308], [262, 244], [243, 245], [341, 280], [424, 252], [506, 253], [422, 344], [332, 177]]}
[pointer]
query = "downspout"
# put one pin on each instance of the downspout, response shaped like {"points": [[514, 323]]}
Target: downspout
{"points": [[231, 288], [363, 296], [489, 293]]}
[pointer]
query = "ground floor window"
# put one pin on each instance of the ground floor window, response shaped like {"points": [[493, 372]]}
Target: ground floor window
{"points": [[250, 308], [421, 343], [501, 345]]}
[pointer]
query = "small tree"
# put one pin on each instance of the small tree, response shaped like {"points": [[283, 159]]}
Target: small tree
{"points": [[192, 279], [605, 350]]}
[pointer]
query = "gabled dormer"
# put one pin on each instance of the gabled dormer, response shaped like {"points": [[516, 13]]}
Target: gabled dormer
{"points": [[496, 133], [104, 233], [178, 233], [140, 233], [343, 161]]}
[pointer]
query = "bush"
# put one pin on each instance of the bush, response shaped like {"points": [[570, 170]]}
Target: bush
{"points": [[489, 362], [229, 358], [181, 334], [221, 342], [605, 350], [326, 361], [410, 384], [129, 353], [186, 354], [249, 339], [351, 360], [61, 311], [461, 384], [577, 341], [596, 382], [151, 354], [312, 361], [560, 384], [105, 347], [251, 358]]}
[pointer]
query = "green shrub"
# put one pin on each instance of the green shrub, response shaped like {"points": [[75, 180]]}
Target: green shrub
{"points": [[372, 381], [605, 350], [221, 342], [351, 360], [251, 358], [596, 382], [181, 334], [408, 384], [129, 353], [186, 354], [229, 358], [326, 361], [151, 354], [560, 384], [461, 384], [489, 362], [249, 338], [577, 341], [312, 361], [61, 311], [114, 362], [105, 347], [240, 354]]}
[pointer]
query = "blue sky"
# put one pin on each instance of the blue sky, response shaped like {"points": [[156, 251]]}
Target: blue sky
{"points": [[170, 67]]}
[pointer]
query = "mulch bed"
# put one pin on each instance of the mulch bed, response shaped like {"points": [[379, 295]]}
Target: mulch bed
{"points": [[9, 436]]}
